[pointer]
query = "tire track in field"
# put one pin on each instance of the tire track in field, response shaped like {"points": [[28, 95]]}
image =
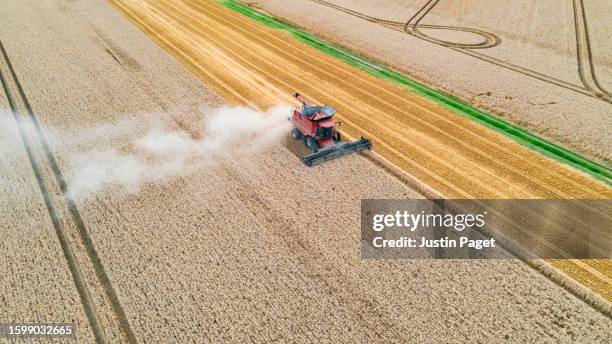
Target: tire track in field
{"points": [[584, 54], [58, 204], [77, 276], [408, 28], [413, 26]]}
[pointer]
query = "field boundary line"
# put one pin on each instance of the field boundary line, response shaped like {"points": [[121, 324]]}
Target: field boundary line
{"points": [[74, 212], [516, 133]]}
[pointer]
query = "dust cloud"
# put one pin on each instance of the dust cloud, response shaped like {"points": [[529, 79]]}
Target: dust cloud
{"points": [[141, 149]]}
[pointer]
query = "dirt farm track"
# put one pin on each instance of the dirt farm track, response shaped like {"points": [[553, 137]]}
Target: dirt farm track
{"points": [[238, 251]]}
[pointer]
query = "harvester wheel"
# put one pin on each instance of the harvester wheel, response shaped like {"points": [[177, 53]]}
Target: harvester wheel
{"points": [[296, 134], [312, 144], [337, 137]]}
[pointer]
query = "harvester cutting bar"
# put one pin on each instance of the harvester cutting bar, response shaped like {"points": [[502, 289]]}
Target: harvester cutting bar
{"points": [[337, 150]]}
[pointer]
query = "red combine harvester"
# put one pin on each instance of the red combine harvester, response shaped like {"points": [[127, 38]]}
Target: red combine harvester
{"points": [[315, 126]]}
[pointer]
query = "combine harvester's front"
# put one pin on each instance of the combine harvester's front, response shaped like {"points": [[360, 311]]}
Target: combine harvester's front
{"points": [[314, 125]]}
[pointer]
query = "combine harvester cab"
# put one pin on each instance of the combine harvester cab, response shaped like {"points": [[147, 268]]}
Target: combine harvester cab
{"points": [[314, 125]]}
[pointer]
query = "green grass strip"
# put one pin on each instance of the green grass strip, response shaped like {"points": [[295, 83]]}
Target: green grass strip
{"points": [[455, 104]]}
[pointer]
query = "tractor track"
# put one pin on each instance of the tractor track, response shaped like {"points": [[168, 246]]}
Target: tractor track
{"points": [[226, 52], [584, 54], [58, 203], [530, 73], [59, 230], [413, 26], [410, 26]]}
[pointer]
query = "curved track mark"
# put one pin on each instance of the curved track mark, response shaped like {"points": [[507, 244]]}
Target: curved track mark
{"points": [[490, 40], [412, 27], [409, 28], [584, 53]]}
